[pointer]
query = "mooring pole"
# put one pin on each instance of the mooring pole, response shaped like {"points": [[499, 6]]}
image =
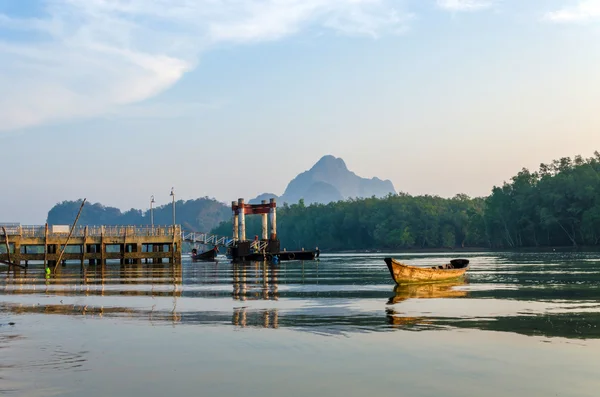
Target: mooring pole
{"points": [[242, 219], [46, 246], [236, 225], [265, 227], [273, 214], [84, 247], [69, 236]]}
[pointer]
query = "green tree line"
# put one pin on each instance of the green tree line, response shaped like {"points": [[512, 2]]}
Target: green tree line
{"points": [[198, 215], [558, 205]]}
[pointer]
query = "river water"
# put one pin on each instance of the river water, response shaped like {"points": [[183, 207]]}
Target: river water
{"points": [[523, 324]]}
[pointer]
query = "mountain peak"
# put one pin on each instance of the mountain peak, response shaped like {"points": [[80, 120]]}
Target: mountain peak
{"points": [[331, 180], [329, 162]]}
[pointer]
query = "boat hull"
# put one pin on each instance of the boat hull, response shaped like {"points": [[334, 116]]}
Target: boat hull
{"points": [[404, 274], [205, 256]]}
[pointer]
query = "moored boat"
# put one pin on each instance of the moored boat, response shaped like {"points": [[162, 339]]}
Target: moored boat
{"points": [[405, 274], [209, 255]]}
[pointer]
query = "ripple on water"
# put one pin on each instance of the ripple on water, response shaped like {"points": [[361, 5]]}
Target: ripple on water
{"points": [[348, 290]]}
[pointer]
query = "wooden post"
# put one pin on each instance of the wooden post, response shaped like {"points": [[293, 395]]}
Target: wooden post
{"points": [[102, 247], [124, 247], [173, 245], [242, 220], [84, 247], [46, 246], [6, 242], [17, 252], [273, 214], [69, 236], [265, 227], [236, 226]]}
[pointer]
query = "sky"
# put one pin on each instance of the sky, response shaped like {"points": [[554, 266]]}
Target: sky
{"points": [[118, 100]]}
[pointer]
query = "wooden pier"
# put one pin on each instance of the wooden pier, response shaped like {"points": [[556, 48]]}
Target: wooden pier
{"points": [[89, 244]]}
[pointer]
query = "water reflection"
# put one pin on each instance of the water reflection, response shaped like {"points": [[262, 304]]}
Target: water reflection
{"points": [[101, 280], [262, 318], [554, 297], [428, 291], [254, 281]]}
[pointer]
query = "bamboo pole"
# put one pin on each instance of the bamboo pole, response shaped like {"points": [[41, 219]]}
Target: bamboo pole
{"points": [[69, 236]]}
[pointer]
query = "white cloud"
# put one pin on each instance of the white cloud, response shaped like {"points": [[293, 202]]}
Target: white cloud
{"points": [[464, 5], [83, 58], [585, 10]]}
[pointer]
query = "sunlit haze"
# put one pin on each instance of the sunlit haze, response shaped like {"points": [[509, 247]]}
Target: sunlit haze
{"points": [[116, 101]]}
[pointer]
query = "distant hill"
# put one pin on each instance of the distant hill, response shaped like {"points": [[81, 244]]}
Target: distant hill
{"points": [[264, 196], [330, 180], [201, 214]]}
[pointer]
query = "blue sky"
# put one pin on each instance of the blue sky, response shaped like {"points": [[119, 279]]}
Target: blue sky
{"points": [[119, 100]]}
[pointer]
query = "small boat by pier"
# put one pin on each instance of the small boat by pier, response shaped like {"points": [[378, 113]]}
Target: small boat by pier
{"points": [[405, 274], [207, 256]]}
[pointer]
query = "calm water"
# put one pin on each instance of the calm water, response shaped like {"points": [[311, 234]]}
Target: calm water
{"points": [[520, 324]]}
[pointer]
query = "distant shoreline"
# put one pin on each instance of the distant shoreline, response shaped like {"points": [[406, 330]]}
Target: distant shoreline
{"points": [[466, 250]]}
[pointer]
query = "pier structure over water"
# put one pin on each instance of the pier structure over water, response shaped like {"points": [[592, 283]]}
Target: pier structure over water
{"points": [[268, 246], [89, 244]]}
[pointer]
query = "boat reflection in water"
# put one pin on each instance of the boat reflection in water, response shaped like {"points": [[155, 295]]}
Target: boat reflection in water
{"points": [[428, 291], [420, 291]]}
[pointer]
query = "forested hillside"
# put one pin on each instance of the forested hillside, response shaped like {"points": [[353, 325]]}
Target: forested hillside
{"points": [[558, 205], [200, 214]]}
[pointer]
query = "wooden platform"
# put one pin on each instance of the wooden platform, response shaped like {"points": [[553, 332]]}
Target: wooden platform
{"points": [[91, 244]]}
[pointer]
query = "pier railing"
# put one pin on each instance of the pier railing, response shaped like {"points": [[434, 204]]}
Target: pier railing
{"points": [[206, 239], [93, 231], [36, 231], [258, 246]]}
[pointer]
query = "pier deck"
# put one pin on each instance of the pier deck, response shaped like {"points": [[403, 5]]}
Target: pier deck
{"points": [[91, 244]]}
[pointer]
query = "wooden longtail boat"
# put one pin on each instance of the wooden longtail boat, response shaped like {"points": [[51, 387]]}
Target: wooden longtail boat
{"points": [[209, 255], [404, 274]]}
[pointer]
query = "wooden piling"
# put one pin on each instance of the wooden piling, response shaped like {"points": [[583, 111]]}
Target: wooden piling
{"points": [[102, 246], [7, 244], [236, 226], [84, 247], [273, 215], [242, 220], [265, 230], [46, 246]]}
